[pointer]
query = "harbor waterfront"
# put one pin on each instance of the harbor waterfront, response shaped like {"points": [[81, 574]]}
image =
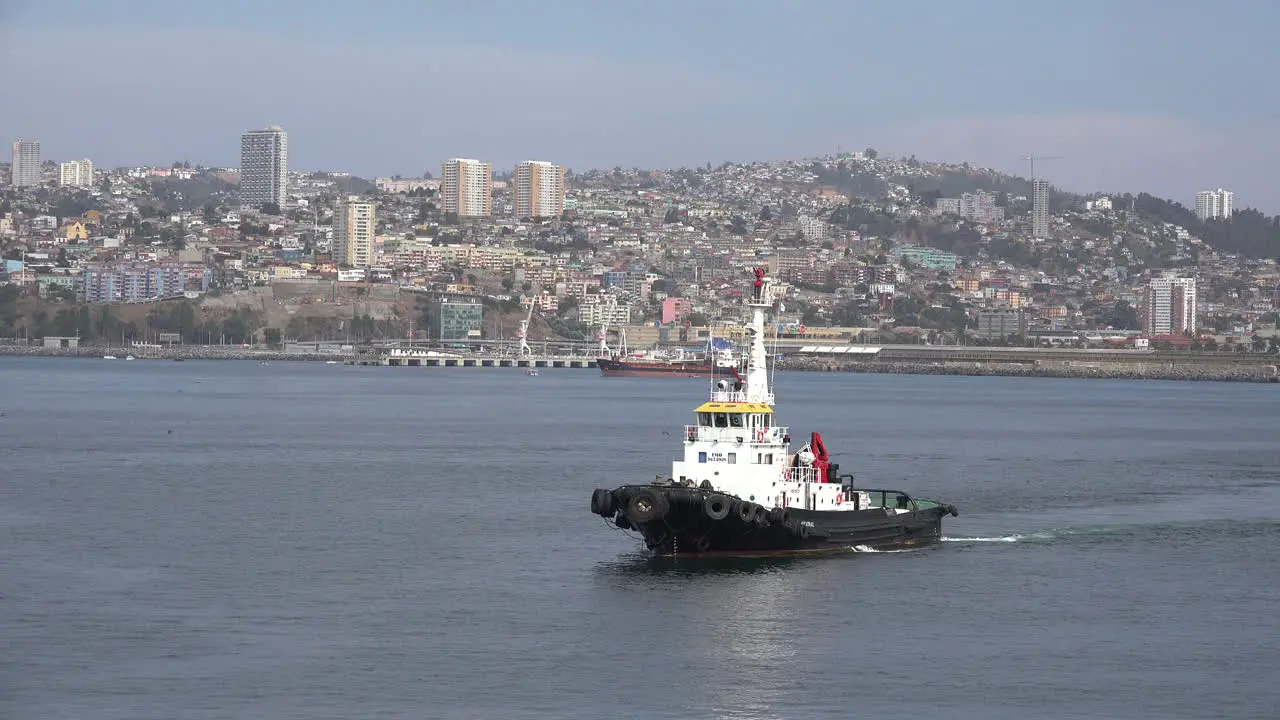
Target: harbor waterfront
{"points": [[887, 359], [232, 540]]}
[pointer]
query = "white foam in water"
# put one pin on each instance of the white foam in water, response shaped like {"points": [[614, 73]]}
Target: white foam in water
{"points": [[1005, 538], [869, 549]]}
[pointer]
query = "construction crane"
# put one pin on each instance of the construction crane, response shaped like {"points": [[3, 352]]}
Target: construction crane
{"points": [[604, 325], [1032, 158], [525, 350]]}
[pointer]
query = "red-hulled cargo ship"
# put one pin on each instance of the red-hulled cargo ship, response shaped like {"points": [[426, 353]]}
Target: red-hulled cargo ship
{"points": [[620, 367]]}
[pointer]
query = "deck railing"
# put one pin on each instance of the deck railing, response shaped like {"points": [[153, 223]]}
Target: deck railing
{"points": [[736, 396], [758, 436]]}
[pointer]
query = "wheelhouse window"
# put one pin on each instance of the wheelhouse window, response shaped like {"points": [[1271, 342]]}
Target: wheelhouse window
{"points": [[704, 419], [722, 420], [735, 420]]}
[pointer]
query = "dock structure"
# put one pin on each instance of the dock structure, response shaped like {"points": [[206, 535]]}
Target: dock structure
{"points": [[415, 357]]}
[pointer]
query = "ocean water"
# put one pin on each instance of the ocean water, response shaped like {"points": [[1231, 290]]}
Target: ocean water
{"points": [[231, 540]]}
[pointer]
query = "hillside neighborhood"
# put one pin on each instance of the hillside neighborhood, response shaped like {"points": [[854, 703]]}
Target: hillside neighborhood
{"points": [[867, 248]]}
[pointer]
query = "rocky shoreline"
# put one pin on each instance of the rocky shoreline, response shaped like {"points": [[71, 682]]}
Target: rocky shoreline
{"points": [[1260, 372], [178, 352], [1113, 371]]}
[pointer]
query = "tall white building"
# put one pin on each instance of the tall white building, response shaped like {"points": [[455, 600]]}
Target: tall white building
{"points": [[1040, 208], [264, 167], [25, 170], [1169, 305], [466, 187], [538, 189], [1214, 204], [980, 207], [76, 173], [355, 224]]}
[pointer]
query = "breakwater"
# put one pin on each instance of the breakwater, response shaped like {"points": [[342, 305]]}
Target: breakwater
{"points": [[1252, 372], [177, 352], [1239, 369]]}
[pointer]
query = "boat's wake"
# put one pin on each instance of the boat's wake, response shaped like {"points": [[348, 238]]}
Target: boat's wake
{"points": [[1160, 532], [869, 549], [1000, 539]]}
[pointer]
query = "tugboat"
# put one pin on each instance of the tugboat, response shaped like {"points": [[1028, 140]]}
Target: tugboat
{"points": [[741, 491]]}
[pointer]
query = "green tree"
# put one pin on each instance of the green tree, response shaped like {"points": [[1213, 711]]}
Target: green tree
{"points": [[566, 304], [1121, 316]]}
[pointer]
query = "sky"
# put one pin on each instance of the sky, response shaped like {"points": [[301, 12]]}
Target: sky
{"points": [[1162, 96]]}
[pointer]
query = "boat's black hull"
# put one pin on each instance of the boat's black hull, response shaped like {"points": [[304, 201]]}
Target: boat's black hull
{"points": [[677, 520]]}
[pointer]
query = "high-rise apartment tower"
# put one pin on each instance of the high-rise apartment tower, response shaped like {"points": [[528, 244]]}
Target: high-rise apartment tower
{"points": [[75, 173], [466, 187], [1214, 204], [1169, 305], [264, 167], [538, 189], [354, 225], [25, 170], [1040, 208]]}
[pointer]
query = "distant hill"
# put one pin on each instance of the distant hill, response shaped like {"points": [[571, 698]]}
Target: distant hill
{"points": [[1248, 232], [859, 180]]}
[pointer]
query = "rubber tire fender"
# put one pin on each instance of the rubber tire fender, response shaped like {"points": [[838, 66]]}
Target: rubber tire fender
{"points": [[761, 516], [646, 506], [716, 506], [746, 511], [602, 502]]}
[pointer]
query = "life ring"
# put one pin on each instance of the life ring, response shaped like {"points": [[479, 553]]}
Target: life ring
{"points": [[786, 474], [759, 436], [839, 498]]}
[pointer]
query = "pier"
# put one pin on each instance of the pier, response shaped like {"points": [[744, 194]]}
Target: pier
{"points": [[414, 357]]}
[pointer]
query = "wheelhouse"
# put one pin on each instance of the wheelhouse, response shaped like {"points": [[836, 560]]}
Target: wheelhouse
{"points": [[734, 415]]}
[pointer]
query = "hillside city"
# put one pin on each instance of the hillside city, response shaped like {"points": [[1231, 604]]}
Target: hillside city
{"points": [[867, 249]]}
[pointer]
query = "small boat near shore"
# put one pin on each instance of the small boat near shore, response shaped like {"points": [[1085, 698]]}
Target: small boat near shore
{"points": [[739, 490]]}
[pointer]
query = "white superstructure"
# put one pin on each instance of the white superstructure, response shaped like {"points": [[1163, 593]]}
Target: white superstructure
{"points": [[737, 447]]}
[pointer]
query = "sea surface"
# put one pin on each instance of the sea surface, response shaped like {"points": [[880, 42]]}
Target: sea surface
{"points": [[225, 539]]}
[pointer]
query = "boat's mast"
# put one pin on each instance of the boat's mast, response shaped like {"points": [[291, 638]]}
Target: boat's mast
{"points": [[760, 301]]}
